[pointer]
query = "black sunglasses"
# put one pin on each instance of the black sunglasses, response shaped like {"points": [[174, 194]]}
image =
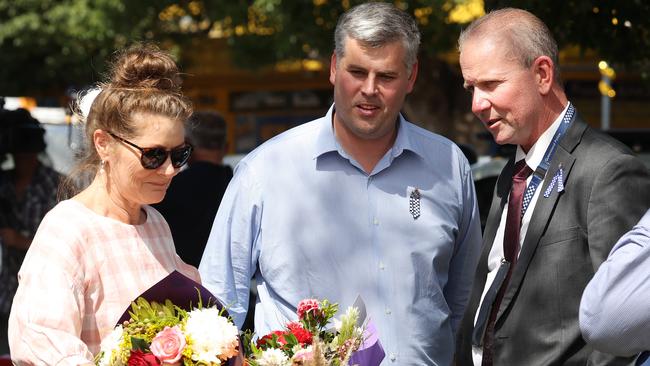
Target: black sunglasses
{"points": [[154, 157]]}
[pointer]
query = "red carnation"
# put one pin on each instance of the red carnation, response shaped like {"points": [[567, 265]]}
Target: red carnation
{"points": [[139, 358], [308, 305], [302, 335], [280, 338]]}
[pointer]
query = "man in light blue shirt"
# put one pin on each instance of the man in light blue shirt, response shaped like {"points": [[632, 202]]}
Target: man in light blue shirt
{"points": [[615, 307], [359, 202]]}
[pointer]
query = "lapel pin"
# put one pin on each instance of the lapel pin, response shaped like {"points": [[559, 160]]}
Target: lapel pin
{"points": [[414, 203], [558, 179]]}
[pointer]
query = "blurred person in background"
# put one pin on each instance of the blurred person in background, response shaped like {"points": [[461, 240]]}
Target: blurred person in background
{"points": [[194, 195], [27, 192], [96, 252]]}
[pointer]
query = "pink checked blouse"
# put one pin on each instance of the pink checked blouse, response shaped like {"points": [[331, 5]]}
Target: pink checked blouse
{"points": [[80, 274]]}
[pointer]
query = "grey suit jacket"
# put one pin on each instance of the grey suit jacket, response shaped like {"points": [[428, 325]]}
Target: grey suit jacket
{"points": [[570, 234]]}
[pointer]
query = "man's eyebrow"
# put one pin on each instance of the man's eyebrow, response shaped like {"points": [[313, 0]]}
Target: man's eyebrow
{"points": [[355, 66], [388, 73]]}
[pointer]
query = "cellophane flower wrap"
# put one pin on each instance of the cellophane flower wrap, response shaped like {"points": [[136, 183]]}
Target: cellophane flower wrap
{"points": [[316, 339], [165, 334]]}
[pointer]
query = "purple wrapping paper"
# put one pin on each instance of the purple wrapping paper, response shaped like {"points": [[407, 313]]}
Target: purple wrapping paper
{"points": [[371, 353], [180, 290]]}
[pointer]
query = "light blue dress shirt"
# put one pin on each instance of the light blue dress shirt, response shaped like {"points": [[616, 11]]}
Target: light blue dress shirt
{"points": [[304, 219], [615, 307]]}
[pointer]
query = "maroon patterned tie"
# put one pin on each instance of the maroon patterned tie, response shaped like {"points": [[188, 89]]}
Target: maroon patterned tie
{"points": [[510, 248]]}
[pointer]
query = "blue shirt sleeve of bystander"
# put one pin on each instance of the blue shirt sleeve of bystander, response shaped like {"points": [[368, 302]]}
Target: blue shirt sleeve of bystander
{"points": [[615, 311], [230, 256], [466, 252]]}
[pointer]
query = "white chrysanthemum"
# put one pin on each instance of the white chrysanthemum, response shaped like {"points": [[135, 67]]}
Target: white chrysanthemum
{"points": [[211, 336], [273, 357], [110, 346]]}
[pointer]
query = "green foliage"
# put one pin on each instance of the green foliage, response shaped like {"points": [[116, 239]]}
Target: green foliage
{"points": [[147, 319], [247, 341], [348, 329], [300, 30], [48, 46], [51, 45], [250, 349], [305, 29], [316, 321], [618, 30], [139, 344], [291, 341]]}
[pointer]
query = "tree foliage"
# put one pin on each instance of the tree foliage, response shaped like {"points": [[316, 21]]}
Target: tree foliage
{"points": [[276, 30], [47, 46], [619, 31], [50, 45]]}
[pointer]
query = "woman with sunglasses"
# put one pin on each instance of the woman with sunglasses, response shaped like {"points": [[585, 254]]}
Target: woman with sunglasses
{"points": [[96, 252]]}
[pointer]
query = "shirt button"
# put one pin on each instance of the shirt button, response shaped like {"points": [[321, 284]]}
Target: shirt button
{"points": [[382, 266], [375, 221], [392, 357], [388, 311]]}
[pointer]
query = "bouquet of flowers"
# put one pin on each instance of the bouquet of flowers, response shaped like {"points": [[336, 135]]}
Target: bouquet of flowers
{"points": [[156, 331], [317, 339], [165, 334]]}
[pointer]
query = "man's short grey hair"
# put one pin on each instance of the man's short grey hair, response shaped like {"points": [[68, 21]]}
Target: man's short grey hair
{"points": [[376, 24], [206, 130], [524, 36]]}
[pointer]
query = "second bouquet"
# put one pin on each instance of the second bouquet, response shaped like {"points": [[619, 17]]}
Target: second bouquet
{"points": [[318, 338]]}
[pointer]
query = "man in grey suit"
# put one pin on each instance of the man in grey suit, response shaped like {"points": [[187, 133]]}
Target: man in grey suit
{"points": [[555, 214]]}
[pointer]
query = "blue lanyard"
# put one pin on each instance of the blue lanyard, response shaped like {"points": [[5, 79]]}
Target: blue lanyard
{"points": [[542, 168]]}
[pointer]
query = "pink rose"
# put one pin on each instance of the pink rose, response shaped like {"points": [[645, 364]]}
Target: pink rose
{"points": [[303, 355], [307, 305], [168, 345]]}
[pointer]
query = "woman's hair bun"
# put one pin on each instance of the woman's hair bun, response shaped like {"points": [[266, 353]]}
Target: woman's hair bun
{"points": [[145, 66]]}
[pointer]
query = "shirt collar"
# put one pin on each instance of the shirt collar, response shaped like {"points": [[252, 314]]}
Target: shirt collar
{"points": [[326, 141], [536, 153], [404, 140]]}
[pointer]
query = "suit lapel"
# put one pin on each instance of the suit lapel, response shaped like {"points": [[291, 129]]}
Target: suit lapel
{"points": [[544, 208], [499, 199]]}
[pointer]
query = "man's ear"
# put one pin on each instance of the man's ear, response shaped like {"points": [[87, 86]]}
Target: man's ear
{"points": [[333, 68], [412, 77], [544, 70], [102, 141]]}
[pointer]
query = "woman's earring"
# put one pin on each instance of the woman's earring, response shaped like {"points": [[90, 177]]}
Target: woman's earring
{"points": [[101, 166]]}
